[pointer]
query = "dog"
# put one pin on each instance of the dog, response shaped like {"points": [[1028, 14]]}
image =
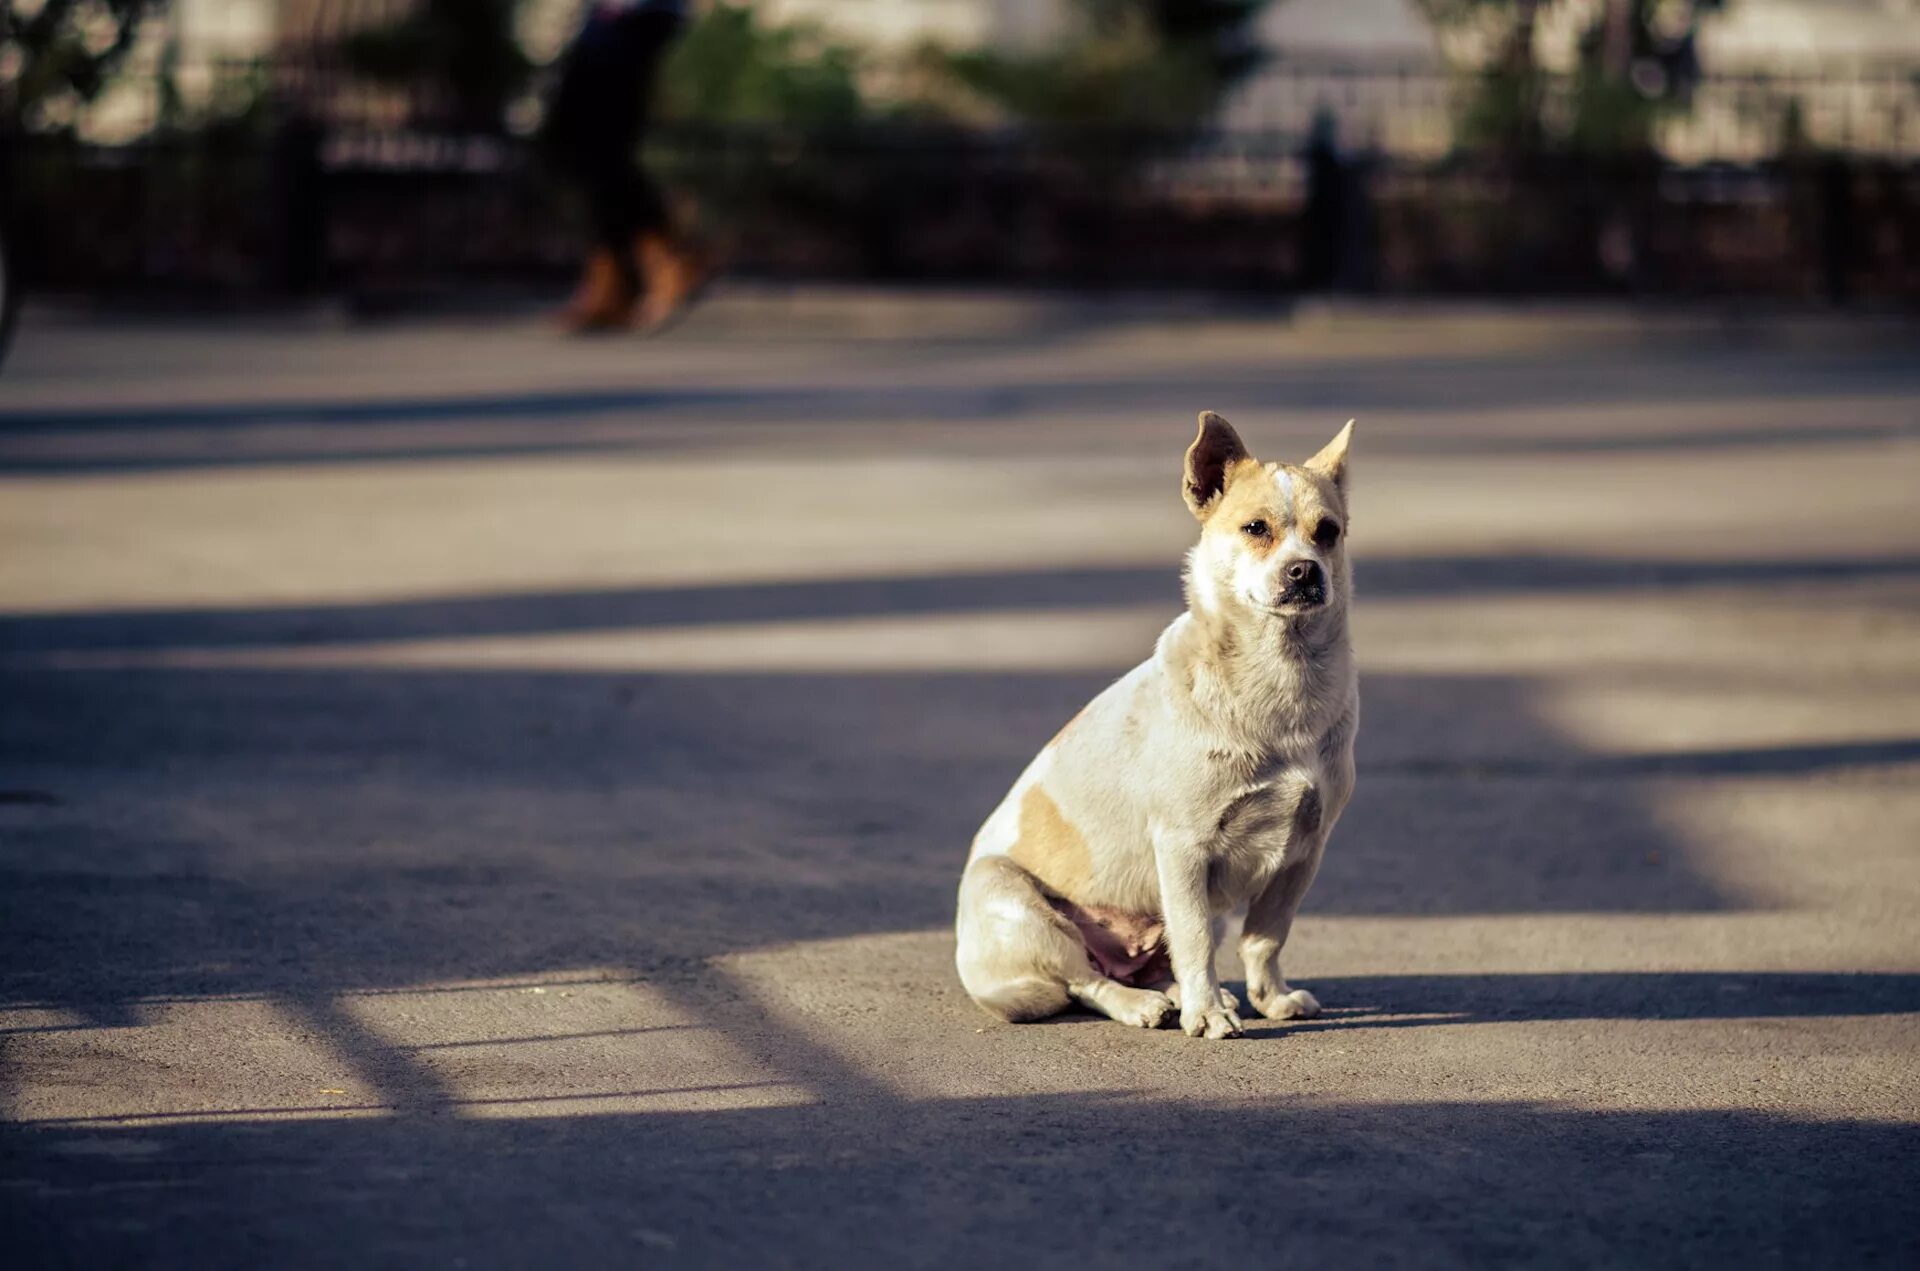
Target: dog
{"points": [[1204, 781]]}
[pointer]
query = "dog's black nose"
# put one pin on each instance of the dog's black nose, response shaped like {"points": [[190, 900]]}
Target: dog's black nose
{"points": [[1303, 572]]}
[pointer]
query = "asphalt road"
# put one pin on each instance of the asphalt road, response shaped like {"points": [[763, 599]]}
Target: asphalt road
{"points": [[472, 800]]}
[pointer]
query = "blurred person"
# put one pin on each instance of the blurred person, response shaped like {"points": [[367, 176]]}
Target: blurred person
{"points": [[594, 126], [1323, 219], [1337, 224]]}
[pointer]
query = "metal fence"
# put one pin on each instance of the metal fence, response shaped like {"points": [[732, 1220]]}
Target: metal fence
{"points": [[1411, 110], [240, 178], [381, 213], [1398, 108]]}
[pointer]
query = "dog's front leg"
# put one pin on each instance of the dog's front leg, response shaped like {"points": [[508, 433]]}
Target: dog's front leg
{"points": [[1269, 920], [1270, 915], [1182, 865]]}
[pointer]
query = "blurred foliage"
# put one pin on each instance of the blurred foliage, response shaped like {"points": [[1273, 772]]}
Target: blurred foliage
{"points": [[63, 52], [465, 49], [1128, 63], [1617, 94], [731, 66], [236, 104]]}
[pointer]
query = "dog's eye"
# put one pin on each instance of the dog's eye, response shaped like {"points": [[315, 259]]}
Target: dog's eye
{"points": [[1326, 534], [1255, 529]]}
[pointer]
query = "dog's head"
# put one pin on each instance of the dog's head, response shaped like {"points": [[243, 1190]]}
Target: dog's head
{"points": [[1273, 537]]}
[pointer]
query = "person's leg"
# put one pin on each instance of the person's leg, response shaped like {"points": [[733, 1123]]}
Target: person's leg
{"points": [[608, 286], [589, 140], [671, 269]]}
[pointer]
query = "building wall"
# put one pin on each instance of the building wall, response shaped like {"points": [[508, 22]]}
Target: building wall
{"points": [[1751, 35], [1847, 68], [894, 24], [1792, 34], [1299, 37], [1859, 59]]}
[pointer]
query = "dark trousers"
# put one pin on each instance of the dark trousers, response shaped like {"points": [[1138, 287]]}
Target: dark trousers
{"points": [[599, 114]]}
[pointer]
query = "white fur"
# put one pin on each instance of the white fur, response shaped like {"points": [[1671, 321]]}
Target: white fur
{"points": [[1201, 579]]}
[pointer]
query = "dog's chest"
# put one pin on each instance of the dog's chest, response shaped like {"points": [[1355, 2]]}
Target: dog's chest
{"points": [[1263, 812], [1258, 811]]}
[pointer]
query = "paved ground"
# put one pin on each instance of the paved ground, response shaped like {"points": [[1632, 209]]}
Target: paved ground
{"points": [[476, 801]]}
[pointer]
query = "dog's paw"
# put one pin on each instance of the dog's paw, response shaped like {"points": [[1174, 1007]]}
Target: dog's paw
{"points": [[1228, 1002], [1213, 1023], [1292, 1004], [1143, 1008]]}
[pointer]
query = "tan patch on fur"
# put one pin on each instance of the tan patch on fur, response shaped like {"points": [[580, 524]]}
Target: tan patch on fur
{"points": [[1250, 495], [1253, 495], [1314, 497], [1049, 847]]}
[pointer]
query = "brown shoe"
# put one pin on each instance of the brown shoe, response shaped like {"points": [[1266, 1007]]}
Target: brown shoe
{"points": [[674, 273], [604, 299]]}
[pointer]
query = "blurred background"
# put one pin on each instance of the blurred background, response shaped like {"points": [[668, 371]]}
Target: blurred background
{"points": [[472, 798], [379, 149]]}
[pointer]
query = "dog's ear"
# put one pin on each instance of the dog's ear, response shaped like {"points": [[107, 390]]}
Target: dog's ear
{"points": [[1215, 450], [1331, 462]]}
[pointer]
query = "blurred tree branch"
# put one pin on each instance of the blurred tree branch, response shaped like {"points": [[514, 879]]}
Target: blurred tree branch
{"points": [[1140, 63], [55, 50], [1635, 62]]}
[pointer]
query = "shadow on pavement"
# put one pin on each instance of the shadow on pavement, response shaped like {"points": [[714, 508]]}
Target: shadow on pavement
{"points": [[297, 835], [238, 445], [469, 818], [1057, 1180], [1454, 382], [1611, 995], [1750, 761], [431, 824], [158, 435], [309, 832], [1045, 590]]}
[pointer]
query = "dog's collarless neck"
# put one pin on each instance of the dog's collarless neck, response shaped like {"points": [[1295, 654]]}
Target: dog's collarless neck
{"points": [[1261, 679]]}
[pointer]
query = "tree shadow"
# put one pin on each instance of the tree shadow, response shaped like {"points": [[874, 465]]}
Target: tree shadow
{"points": [[1051, 1180], [300, 834], [998, 590], [160, 435], [397, 827], [1417, 383], [1375, 1001], [1424, 1001], [431, 824]]}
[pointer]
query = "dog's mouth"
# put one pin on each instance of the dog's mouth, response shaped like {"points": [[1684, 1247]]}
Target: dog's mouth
{"points": [[1301, 596]]}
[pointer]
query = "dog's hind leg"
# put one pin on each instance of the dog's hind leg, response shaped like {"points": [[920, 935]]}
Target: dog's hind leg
{"points": [[1143, 1008], [1022, 961]]}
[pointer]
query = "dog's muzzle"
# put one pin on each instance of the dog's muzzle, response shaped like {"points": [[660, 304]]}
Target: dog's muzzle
{"points": [[1302, 583]]}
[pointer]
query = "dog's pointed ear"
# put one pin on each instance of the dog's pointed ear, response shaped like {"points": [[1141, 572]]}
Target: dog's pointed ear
{"points": [[1213, 452], [1331, 462]]}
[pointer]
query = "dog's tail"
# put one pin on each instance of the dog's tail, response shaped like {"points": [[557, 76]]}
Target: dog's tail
{"points": [[1029, 998]]}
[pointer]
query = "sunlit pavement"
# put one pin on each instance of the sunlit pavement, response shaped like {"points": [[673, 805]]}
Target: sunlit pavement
{"points": [[470, 799]]}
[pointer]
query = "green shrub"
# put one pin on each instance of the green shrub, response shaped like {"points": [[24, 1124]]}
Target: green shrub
{"points": [[731, 67]]}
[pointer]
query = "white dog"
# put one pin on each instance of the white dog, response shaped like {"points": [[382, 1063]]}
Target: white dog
{"points": [[1205, 780]]}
